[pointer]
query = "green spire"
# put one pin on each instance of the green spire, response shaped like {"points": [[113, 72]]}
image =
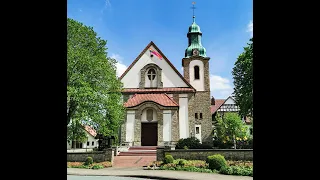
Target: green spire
{"points": [[194, 40]]}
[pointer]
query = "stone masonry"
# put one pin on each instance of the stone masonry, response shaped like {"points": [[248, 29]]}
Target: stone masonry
{"points": [[200, 101]]}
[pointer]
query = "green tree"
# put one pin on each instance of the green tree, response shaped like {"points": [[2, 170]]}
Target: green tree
{"points": [[76, 132], [93, 89], [230, 128], [243, 81]]}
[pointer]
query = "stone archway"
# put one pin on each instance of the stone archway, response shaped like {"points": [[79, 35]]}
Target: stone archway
{"points": [[151, 131]]}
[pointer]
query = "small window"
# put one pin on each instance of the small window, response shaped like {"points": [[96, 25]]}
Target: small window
{"points": [[149, 114], [151, 74], [88, 143], [197, 130], [196, 72], [196, 115], [200, 115], [92, 143]]}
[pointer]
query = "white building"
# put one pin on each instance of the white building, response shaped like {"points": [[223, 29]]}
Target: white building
{"points": [[85, 146]]}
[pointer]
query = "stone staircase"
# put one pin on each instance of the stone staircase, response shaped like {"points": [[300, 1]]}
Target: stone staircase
{"points": [[137, 156], [140, 151]]}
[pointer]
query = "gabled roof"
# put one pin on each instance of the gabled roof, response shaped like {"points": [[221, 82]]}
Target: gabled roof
{"points": [[218, 104], [158, 90], [164, 57], [161, 99], [90, 130]]}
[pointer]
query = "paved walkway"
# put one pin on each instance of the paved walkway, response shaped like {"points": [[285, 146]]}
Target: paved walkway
{"points": [[133, 161], [139, 172]]}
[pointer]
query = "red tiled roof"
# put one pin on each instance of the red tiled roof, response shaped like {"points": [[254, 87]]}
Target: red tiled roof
{"points": [[218, 103], [90, 130], [167, 90], [162, 99]]}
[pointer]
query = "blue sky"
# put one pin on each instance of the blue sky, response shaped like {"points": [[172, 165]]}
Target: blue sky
{"points": [[128, 26]]}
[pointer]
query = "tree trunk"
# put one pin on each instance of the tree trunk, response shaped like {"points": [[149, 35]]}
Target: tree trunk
{"points": [[70, 111]]}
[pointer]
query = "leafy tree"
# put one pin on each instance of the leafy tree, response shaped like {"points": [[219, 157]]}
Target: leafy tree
{"points": [[243, 81], [230, 128], [76, 132], [93, 89]]}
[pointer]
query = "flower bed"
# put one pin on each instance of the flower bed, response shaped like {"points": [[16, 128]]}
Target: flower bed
{"points": [[100, 165], [242, 168]]}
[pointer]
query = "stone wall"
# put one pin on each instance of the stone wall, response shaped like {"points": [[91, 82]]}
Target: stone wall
{"points": [[97, 156], [200, 102], [202, 154]]}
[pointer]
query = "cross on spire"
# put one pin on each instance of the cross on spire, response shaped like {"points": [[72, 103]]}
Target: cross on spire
{"points": [[193, 8]]}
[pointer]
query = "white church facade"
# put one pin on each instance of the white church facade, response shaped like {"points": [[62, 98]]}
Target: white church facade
{"points": [[162, 105]]}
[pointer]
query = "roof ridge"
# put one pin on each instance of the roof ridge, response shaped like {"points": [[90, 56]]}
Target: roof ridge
{"points": [[171, 99], [164, 57]]}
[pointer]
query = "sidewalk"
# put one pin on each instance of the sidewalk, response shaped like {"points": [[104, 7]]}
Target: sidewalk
{"points": [[134, 172]]}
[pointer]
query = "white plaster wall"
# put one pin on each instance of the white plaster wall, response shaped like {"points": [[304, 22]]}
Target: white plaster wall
{"points": [[198, 84], [183, 116], [91, 139], [148, 82], [198, 136], [169, 77], [130, 126], [144, 115], [167, 125], [230, 101]]}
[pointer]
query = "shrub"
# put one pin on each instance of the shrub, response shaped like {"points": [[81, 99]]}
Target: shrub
{"points": [[237, 170], [226, 170], [89, 161], [216, 161], [168, 159], [97, 166], [190, 143], [182, 162]]}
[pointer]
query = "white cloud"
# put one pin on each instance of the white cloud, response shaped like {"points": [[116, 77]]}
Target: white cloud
{"points": [[120, 66], [220, 87], [107, 3], [250, 28]]}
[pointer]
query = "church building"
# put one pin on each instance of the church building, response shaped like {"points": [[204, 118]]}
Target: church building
{"points": [[163, 106]]}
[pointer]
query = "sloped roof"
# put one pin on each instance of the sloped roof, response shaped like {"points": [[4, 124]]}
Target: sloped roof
{"points": [[218, 104], [157, 90], [162, 99], [164, 57], [90, 130]]}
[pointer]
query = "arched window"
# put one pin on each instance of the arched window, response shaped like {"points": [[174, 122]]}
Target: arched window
{"points": [[196, 72], [149, 115], [151, 74]]}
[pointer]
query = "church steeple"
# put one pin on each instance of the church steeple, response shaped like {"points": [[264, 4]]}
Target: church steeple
{"points": [[194, 41]]}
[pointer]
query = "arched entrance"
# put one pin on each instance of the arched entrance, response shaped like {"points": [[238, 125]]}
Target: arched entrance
{"points": [[149, 127]]}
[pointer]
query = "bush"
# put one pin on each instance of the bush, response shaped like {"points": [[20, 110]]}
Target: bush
{"points": [[190, 143], [226, 170], [237, 170], [216, 161], [168, 159], [182, 162], [97, 166], [89, 161]]}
